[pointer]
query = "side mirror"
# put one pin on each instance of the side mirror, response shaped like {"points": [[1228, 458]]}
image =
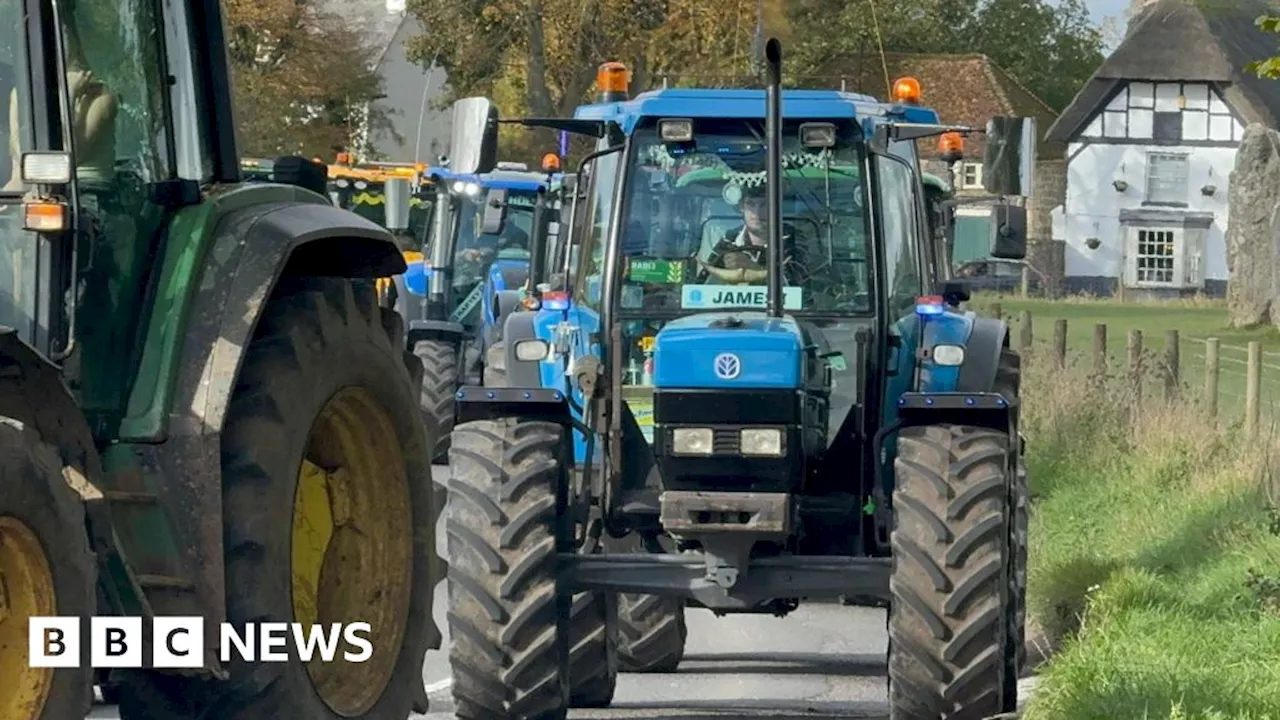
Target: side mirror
{"points": [[495, 211], [1009, 164], [473, 148], [954, 292], [1008, 231], [396, 193]]}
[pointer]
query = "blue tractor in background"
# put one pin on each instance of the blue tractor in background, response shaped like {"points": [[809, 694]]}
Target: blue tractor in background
{"points": [[473, 270], [754, 387]]}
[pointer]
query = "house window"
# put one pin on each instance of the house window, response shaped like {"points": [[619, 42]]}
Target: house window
{"points": [[971, 176], [1154, 260], [1167, 178]]}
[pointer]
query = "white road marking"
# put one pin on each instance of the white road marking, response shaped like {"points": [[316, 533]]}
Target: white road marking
{"points": [[439, 686]]}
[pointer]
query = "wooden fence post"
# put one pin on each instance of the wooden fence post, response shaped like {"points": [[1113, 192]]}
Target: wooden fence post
{"points": [[1024, 332], [1060, 342], [1134, 347], [996, 311], [1211, 350], [1100, 348], [1171, 373], [1253, 389]]}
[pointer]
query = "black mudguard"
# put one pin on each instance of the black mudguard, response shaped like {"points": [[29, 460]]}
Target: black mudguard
{"points": [[990, 336], [254, 248]]}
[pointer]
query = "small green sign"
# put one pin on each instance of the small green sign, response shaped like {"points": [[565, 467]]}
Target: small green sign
{"points": [[656, 271], [836, 362]]}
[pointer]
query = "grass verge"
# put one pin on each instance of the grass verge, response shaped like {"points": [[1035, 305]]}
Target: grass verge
{"points": [[1155, 557]]}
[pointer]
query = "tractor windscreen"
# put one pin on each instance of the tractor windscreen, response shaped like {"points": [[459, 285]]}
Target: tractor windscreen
{"points": [[18, 247], [697, 224], [474, 252]]}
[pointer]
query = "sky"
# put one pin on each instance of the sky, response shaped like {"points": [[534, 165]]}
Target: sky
{"points": [[1102, 8]]}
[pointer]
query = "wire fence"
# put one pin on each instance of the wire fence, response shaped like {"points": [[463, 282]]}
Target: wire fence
{"points": [[1236, 383]]}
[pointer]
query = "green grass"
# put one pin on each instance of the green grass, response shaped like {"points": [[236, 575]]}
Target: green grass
{"points": [[1155, 554], [1194, 319]]}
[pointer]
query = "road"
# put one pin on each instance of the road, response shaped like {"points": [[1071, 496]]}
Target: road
{"points": [[823, 661]]}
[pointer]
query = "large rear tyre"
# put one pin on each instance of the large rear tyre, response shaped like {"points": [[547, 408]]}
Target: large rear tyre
{"points": [[46, 569], [1009, 383], [323, 429], [651, 633], [439, 360], [949, 616], [509, 628]]}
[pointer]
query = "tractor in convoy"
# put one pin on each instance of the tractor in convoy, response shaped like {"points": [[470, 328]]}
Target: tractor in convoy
{"points": [[204, 410], [476, 266], [824, 419]]}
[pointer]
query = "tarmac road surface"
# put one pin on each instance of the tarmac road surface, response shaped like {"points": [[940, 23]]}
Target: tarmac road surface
{"points": [[822, 661]]}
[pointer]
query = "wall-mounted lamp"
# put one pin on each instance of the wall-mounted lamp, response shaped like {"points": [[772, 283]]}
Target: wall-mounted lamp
{"points": [[1092, 243], [1209, 190], [1120, 185]]}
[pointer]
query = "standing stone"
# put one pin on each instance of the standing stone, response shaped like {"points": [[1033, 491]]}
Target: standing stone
{"points": [[1253, 233]]}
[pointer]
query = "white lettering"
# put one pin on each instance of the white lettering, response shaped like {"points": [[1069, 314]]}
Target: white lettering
{"points": [[366, 647], [274, 635], [227, 636], [307, 643]]}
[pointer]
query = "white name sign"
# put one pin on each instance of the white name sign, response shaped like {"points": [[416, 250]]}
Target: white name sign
{"points": [[706, 297]]}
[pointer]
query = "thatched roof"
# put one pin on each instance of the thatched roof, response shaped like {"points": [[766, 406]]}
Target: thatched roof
{"points": [[1208, 41]]}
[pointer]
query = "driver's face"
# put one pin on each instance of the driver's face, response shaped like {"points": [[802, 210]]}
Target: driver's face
{"points": [[755, 213]]}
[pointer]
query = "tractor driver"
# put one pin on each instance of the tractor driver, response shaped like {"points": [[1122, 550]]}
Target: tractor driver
{"points": [[739, 257]]}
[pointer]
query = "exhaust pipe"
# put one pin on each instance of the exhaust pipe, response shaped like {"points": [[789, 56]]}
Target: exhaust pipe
{"points": [[773, 136]]}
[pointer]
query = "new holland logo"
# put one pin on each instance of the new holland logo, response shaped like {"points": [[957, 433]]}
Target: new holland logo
{"points": [[728, 366]]}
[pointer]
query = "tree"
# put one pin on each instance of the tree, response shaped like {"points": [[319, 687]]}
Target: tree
{"points": [[303, 81], [1268, 68], [1052, 49], [544, 63]]}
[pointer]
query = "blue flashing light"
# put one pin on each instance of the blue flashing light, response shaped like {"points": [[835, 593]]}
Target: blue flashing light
{"points": [[555, 301], [930, 306]]}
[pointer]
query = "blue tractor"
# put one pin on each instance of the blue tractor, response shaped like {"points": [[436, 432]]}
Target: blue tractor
{"points": [[472, 271], [755, 388]]}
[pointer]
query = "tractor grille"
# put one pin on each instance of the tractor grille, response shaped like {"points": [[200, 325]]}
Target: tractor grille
{"points": [[726, 441], [725, 407]]}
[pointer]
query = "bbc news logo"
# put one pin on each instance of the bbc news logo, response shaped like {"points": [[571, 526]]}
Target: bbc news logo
{"points": [[178, 642]]}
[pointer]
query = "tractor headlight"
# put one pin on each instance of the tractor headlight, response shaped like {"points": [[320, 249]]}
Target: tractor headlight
{"points": [[532, 350], [692, 441], [766, 442], [949, 355]]}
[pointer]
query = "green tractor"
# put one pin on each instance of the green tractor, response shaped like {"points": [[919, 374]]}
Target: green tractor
{"points": [[204, 413]]}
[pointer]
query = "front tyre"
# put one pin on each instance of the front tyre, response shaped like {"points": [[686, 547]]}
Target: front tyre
{"points": [[46, 569], [948, 619], [652, 633], [439, 360], [509, 628]]}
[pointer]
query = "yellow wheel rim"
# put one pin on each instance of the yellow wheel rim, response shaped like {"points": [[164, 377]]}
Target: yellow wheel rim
{"points": [[352, 545], [26, 590]]}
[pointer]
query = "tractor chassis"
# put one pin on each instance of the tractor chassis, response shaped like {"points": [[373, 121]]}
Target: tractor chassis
{"points": [[758, 581], [722, 576]]}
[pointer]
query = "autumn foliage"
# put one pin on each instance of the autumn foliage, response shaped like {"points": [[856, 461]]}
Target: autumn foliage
{"points": [[539, 57], [301, 78]]}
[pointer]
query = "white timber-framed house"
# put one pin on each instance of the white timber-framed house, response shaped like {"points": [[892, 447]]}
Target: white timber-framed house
{"points": [[1151, 142]]}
